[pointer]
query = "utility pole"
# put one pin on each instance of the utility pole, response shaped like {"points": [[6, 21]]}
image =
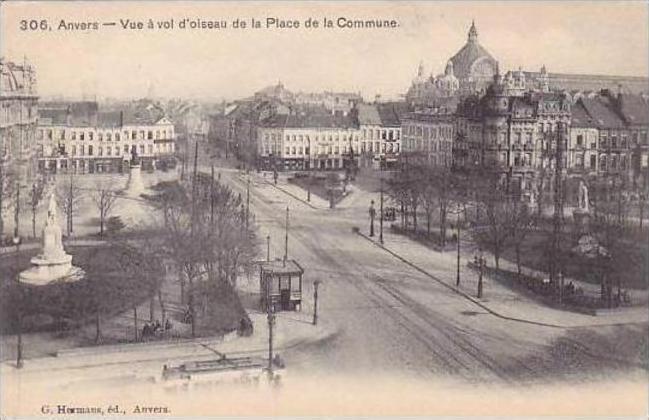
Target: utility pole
{"points": [[271, 324], [21, 302], [286, 239], [212, 196], [315, 301], [481, 264], [70, 203], [372, 215], [457, 279], [247, 202], [308, 187], [17, 212], [268, 248], [558, 204], [381, 215]]}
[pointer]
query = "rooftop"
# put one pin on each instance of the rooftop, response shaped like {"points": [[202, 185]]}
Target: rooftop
{"points": [[278, 267]]}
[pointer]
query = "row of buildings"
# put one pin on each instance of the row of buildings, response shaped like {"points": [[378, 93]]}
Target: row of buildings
{"points": [[54, 137], [471, 115], [80, 137]]}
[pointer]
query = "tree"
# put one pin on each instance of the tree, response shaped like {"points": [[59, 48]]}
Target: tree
{"points": [[497, 207], [69, 197], [38, 188], [7, 193], [522, 222], [104, 198]]}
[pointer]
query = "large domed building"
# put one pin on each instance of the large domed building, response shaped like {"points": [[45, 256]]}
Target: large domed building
{"points": [[473, 65], [470, 70]]}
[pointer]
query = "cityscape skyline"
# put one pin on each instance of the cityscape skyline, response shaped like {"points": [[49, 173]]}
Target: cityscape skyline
{"points": [[518, 35]]}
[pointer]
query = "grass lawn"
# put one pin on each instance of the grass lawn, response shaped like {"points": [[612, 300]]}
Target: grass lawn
{"points": [[629, 264]]}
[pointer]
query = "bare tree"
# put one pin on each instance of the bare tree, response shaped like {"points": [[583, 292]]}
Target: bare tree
{"points": [[7, 185], [497, 206], [69, 197], [522, 223], [35, 197], [104, 198]]}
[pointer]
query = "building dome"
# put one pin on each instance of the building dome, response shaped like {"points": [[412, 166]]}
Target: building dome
{"points": [[473, 62]]}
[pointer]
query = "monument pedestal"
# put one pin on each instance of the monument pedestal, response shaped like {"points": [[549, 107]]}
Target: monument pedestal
{"points": [[52, 264]]}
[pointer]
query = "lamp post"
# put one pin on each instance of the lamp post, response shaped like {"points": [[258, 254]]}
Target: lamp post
{"points": [[381, 215], [247, 202], [21, 302], [457, 279], [372, 215], [480, 262], [271, 323], [315, 301], [268, 248]]}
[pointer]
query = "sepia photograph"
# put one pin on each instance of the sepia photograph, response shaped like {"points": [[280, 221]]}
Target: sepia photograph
{"points": [[310, 208]]}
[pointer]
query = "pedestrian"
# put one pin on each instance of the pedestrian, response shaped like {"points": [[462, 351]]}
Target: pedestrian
{"points": [[167, 325]]}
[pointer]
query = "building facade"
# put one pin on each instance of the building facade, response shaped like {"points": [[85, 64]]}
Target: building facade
{"points": [[79, 138], [517, 134], [428, 138], [18, 119]]}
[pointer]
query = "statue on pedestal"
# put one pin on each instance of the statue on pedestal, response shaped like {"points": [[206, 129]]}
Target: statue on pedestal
{"points": [[53, 263]]}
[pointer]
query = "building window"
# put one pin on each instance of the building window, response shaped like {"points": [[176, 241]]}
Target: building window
{"points": [[593, 161], [150, 149], [580, 140], [133, 135], [109, 151], [82, 135], [100, 136], [109, 136], [90, 135], [150, 135], [62, 134], [117, 138], [90, 150], [126, 148], [141, 149]]}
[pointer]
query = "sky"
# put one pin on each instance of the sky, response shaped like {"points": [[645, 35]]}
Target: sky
{"points": [[577, 37]]}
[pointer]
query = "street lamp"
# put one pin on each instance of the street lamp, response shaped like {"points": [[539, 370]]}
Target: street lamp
{"points": [[381, 215], [372, 215], [481, 263], [315, 301], [247, 202]]}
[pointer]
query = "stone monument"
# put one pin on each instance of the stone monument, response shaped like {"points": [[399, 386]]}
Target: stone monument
{"points": [[134, 186], [52, 264]]}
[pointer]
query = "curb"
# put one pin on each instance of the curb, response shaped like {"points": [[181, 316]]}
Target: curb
{"points": [[291, 195], [459, 292], [482, 305]]}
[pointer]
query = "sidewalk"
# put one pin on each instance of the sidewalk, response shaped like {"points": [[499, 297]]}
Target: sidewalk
{"points": [[145, 360], [497, 299], [293, 191]]}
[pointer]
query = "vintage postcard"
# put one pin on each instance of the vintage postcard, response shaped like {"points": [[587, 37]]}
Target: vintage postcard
{"points": [[350, 208]]}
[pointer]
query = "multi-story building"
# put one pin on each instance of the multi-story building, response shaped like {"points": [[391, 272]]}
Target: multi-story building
{"points": [[516, 134], [18, 117], [609, 137], [78, 137], [428, 138], [303, 141], [380, 132]]}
